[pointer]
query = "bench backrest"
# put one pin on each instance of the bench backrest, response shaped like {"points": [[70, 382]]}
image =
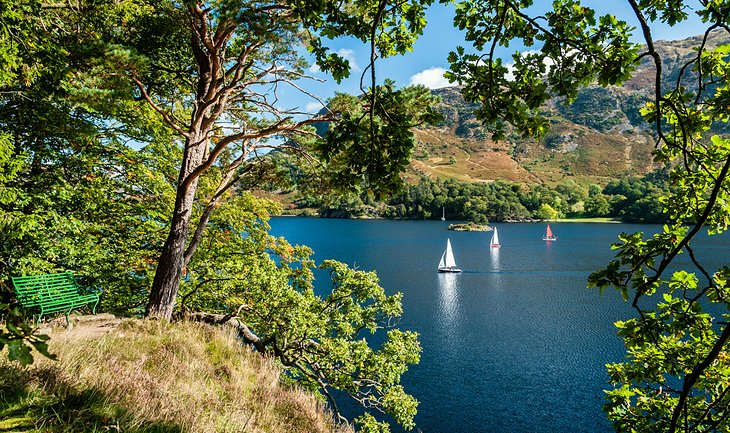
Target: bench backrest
{"points": [[34, 290]]}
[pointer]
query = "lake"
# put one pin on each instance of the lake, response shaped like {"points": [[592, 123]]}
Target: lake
{"points": [[515, 343]]}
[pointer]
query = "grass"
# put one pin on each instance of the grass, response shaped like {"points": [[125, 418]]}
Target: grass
{"points": [[152, 377]]}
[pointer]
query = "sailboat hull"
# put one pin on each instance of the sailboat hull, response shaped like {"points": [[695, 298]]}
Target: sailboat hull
{"points": [[450, 270]]}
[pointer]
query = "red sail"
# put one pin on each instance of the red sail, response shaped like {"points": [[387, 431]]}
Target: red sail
{"points": [[549, 232]]}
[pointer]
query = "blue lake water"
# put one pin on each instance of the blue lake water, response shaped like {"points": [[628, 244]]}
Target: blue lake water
{"points": [[515, 343]]}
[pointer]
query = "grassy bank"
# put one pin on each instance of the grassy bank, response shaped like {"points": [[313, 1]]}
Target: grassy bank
{"points": [[154, 377]]}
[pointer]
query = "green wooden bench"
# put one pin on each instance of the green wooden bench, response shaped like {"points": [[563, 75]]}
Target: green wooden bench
{"points": [[51, 293]]}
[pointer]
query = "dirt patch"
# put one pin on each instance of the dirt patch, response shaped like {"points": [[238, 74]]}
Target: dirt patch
{"points": [[83, 326]]}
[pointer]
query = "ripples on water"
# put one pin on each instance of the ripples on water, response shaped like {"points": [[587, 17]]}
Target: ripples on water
{"points": [[515, 343]]}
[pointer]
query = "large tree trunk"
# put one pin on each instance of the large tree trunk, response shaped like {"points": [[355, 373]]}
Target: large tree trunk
{"points": [[170, 266], [172, 259]]}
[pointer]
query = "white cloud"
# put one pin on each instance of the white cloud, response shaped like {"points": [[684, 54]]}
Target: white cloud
{"points": [[313, 107], [510, 75], [433, 78]]}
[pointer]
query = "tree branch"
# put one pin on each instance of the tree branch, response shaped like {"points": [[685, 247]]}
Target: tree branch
{"points": [[169, 119], [248, 336], [225, 184], [691, 379]]}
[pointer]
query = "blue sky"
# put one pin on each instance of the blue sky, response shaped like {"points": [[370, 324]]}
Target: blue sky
{"points": [[425, 65]]}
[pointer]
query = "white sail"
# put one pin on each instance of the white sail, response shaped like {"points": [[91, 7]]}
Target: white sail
{"points": [[495, 238], [449, 261]]}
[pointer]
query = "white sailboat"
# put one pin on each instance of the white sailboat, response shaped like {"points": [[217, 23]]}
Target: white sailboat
{"points": [[443, 214], [447, 262], [494, 243]]}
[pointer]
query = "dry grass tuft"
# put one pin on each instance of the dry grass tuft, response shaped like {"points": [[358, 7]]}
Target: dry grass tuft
{"points": [[149, 376]]}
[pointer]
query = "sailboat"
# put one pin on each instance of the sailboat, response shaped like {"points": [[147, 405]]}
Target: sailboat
{"points": [[549, 235], [447, 262], [494, 243], [443, 214]]}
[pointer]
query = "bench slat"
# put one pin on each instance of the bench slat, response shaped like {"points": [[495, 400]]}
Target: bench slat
{"points": [[50, 291], [43, 277], [64, 281], [79, 299]]}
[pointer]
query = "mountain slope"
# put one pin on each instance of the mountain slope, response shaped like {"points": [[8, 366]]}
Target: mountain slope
{"points": [[600, 137]]}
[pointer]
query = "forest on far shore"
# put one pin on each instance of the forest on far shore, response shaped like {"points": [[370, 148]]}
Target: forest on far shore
{"points": [[631, 199]]}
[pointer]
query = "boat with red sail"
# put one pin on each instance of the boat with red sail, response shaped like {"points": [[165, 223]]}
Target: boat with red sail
{"points": [[549, 235]]}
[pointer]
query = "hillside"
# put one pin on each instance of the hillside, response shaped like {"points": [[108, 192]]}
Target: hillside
{"points": [[140, 376], [600, 137]]}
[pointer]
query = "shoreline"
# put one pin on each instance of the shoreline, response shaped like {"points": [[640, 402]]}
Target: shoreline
{"points": [[461, 222]]}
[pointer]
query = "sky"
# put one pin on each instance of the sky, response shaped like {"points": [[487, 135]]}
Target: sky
{"points": [[427, 62]]}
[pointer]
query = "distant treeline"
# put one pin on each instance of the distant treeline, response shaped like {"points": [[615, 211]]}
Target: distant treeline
{"points": [[630, 199]]}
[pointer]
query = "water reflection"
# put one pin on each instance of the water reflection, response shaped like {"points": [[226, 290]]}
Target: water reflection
{"points": [[494, 256], [448, 300], [549, 253], [496, 274]]}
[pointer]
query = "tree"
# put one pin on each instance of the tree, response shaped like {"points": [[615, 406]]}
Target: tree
{"points": [[207, 70], [546, 212], [597, 205], [647, 209], [211, 63], [676, 375], [594, 190], [15, 333], [27, 58], [75, 196]]}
